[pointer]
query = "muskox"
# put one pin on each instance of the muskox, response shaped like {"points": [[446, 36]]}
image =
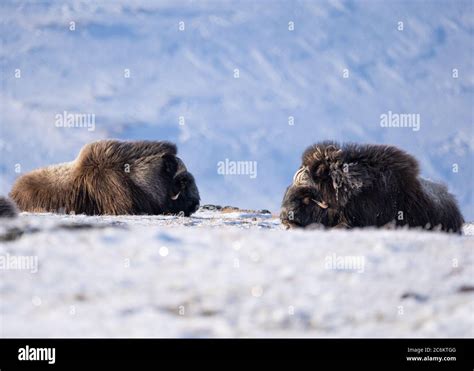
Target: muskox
{"points": [[354, 185], [112, 177], [7, 208]]}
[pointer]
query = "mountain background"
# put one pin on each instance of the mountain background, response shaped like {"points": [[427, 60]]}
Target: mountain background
{"points": [[292, 58]]}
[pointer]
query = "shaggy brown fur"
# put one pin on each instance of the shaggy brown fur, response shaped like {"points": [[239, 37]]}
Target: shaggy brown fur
{"points": [[111, 177]]}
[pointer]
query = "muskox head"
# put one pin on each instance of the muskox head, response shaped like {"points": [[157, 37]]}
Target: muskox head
{"points": [[168, 186], [184, 195], [302, 205]]}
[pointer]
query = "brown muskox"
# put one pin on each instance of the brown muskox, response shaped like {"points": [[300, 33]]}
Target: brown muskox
{"points": [[112, 177], [366, 185]]}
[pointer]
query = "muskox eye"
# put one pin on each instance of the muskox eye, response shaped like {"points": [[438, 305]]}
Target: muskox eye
{"points": [[307, 200]]}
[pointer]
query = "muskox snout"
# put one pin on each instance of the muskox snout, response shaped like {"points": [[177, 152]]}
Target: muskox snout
{"points": [[287, 217], [284, 217], [187, 209], [194, 207]]}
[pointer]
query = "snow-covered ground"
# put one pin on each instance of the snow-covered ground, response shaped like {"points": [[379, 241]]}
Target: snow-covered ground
{"points": [[234, 274]]}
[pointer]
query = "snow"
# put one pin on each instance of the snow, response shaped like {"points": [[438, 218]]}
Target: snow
{"points": [[231, 274]]}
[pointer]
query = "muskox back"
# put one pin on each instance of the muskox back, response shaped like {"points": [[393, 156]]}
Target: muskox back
{"points": [[113, 177]]}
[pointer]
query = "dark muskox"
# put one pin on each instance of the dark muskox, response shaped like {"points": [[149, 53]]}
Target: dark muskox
{"points": [[7, 208], [112, 177], [366, 185]]}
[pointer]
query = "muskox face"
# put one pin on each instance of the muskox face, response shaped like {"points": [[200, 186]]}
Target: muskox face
{"points": [[333, 173], [302, 206], [184, 194]]}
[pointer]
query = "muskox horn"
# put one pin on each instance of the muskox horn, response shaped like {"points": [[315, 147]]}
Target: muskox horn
{"points": [[301, 176], [321, 204], [175, 197]]}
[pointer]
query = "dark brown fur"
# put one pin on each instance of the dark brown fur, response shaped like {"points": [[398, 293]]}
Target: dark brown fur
{"points": [[7, 208], [367, 185], [110, 177]]}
